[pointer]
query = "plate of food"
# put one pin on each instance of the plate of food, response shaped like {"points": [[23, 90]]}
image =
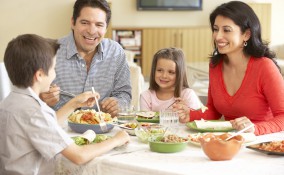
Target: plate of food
{"points": [[194, 138], [210, 126], [269, 148], [147, 116], [129, 127], [83, 120]]}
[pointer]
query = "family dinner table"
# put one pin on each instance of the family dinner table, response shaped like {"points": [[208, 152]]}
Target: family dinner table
{"points": [[135, 158]]}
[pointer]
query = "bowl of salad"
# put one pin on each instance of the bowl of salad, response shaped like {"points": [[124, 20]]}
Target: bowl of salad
{"points": [[151, 131]]}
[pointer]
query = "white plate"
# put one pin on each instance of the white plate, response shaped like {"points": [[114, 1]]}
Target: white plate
{"points": [[129, 130]]}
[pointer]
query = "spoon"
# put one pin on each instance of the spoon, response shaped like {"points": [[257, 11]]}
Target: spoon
{"points": [[240, 131]]}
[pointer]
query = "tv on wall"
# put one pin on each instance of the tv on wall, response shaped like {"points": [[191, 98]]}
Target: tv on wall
{"points": [[169, 5]]}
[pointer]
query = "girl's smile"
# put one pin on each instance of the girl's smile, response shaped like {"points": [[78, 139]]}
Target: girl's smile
{"points": [[165, 75]]}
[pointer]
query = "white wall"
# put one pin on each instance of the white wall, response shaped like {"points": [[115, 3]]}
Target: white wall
{"points": [[51, 18], [48, 18], [126, 15]]}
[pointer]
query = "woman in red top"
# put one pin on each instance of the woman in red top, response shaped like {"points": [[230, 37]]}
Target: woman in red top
{"points": [[245, 83]]}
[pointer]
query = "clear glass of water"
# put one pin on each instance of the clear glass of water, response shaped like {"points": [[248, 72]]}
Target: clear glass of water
{"points": [[126, 114], [169, 118]]}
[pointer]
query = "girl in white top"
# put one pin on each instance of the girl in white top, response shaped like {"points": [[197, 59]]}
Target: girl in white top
{"points": [[168, 82]]}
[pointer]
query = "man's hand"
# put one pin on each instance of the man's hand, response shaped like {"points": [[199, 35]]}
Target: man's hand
{"points": [[110, 105], [52, 96]]}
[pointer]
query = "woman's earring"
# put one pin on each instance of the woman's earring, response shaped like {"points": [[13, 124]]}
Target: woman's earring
{"points": [[215, 52], [245, 43]]}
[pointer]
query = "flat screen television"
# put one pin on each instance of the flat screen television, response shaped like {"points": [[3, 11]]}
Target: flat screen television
{"points": [[169, 5]]}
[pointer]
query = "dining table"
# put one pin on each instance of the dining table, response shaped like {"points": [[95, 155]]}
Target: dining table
{"points": [[136, 158]]}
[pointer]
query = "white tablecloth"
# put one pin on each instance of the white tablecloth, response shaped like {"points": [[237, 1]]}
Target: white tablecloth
{"points": [[137, 159]]}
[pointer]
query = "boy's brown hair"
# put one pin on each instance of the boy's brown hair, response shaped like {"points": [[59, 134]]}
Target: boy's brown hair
{"points": [[25, 55]]}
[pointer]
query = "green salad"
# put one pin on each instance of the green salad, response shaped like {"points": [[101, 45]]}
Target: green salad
{"points": [[82, 141]]}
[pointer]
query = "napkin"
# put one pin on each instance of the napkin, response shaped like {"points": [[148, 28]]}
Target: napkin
{"points": [[90, 135], [203, 124]]}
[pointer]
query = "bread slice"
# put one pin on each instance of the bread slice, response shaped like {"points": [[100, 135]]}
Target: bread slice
{"points": [[146, 114]]}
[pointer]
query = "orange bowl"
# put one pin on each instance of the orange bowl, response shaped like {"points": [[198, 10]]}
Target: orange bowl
{"points": [[217, 148]]}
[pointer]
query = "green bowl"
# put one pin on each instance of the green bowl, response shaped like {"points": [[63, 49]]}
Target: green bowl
{"points": [[165, 147]]}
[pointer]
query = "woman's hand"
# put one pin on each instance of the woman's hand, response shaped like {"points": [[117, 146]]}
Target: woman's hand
{"points": [[241, 123], [183, 111]]}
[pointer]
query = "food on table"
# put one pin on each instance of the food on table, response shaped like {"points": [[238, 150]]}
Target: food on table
{"points": [[167, 144], [173, 139], [89, 116], [154, 130], [130, 125], [274, 146], [135, 125], [101, 138], [146, 114], [90, 135], [79, 140], [205, 124], [194, 138]]}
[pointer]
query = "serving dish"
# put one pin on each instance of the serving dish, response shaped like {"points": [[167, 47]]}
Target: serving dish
{"points": [[154, 119], [194, 138], [88, 119], [161, 146], [260, 147], [152, 131], [217, 148], [192, 126], [130, 127], [81, 127]]}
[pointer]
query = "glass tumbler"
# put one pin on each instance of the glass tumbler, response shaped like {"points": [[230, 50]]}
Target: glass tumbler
{"points": [[126, 114], [169, 118]]}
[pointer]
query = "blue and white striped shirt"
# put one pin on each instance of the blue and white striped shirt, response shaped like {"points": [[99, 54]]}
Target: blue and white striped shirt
{"points": [[109, 72]]}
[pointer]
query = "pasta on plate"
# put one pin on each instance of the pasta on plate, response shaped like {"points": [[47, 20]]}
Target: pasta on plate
{"points": [[89, 116]]}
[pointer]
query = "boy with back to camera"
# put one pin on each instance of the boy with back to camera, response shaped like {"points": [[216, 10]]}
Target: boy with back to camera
{"points": [[29, 129]]}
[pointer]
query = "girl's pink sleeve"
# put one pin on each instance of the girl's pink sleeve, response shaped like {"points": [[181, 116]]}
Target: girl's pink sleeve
{"points": [[145, 101]]}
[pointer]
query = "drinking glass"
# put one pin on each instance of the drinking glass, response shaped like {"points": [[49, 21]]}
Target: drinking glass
{"points": [[126, 114], [169, 118]]}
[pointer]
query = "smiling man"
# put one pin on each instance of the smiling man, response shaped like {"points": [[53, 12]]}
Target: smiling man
{"points": [[85, 60]]}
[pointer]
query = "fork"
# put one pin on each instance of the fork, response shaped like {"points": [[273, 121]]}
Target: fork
{"points": [[67, 93], [102, 120]]}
